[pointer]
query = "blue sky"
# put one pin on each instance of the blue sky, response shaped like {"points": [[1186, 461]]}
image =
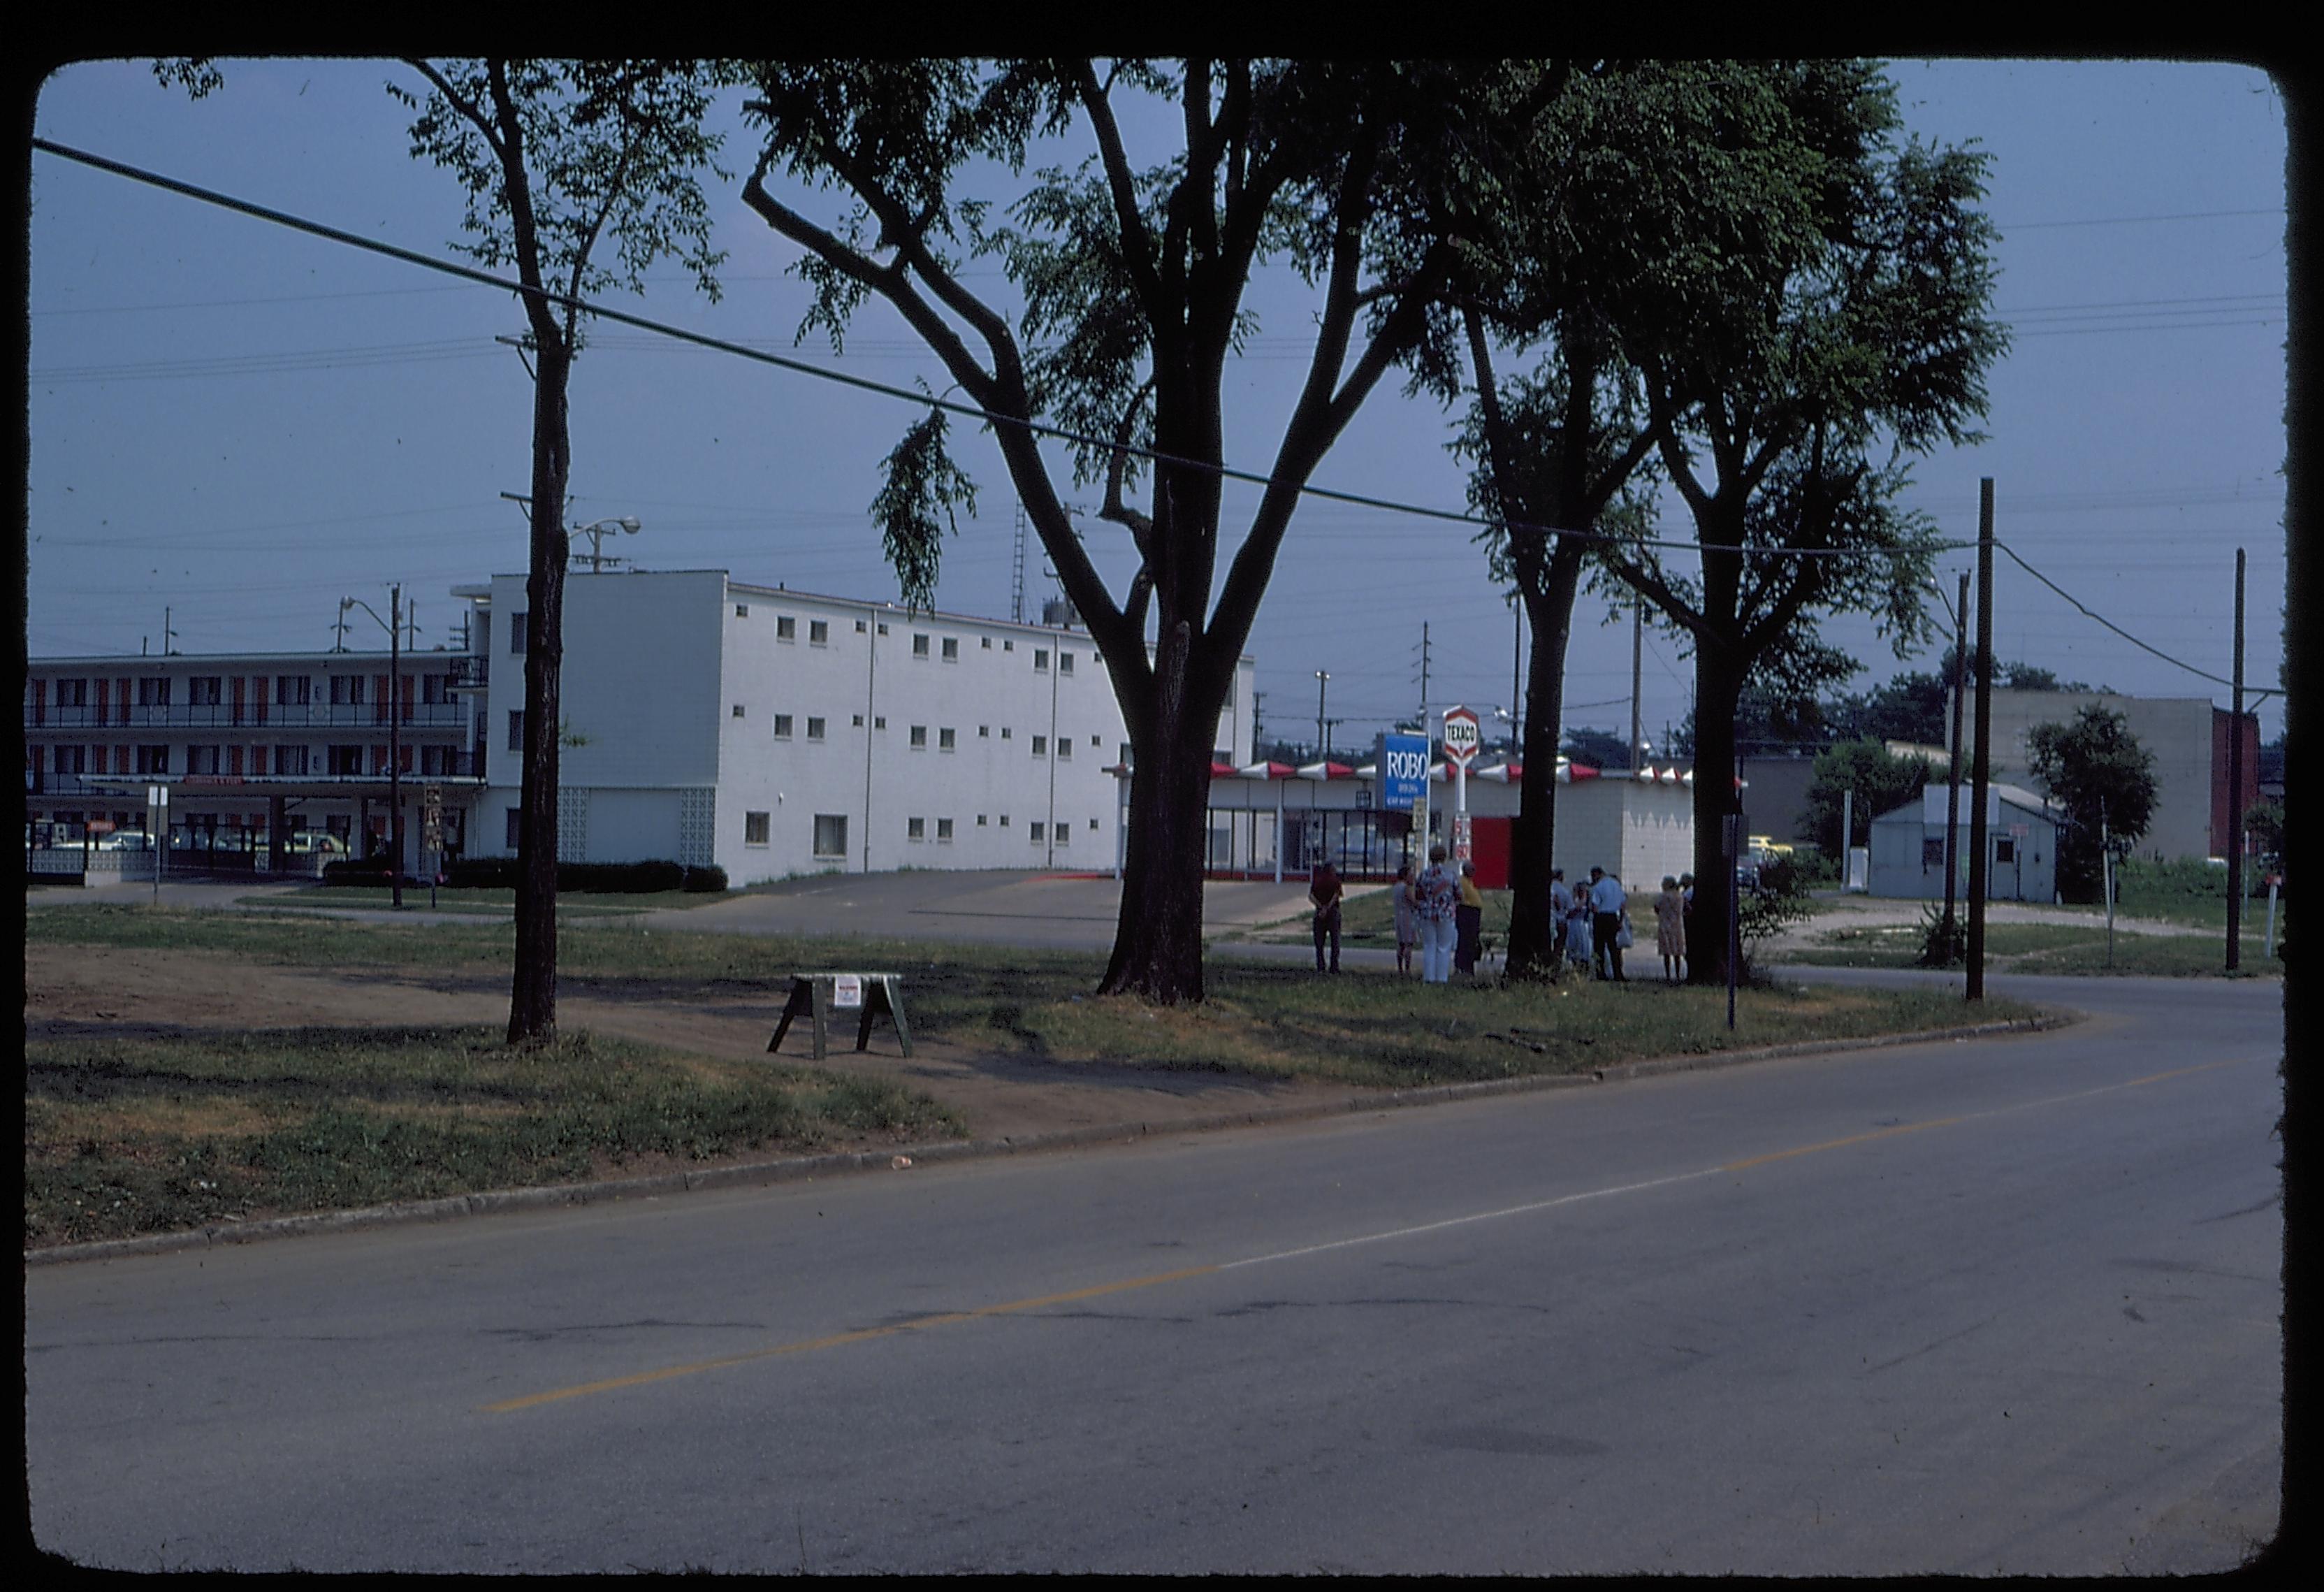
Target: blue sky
{"points": [[244, 425]]}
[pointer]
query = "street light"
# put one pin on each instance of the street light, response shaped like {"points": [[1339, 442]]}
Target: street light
{"points": [[394, 627], [597, 532]]}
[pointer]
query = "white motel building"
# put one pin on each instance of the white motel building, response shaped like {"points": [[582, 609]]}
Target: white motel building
{"points": [[705, 721]]}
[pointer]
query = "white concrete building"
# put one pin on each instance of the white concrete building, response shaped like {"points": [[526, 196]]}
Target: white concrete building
{"points": [[773, 732]]}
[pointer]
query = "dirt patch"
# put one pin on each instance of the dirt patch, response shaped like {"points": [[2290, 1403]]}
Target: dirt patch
{"points": [[94, 991]]}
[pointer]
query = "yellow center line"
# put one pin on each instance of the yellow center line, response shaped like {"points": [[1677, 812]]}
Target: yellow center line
{"points": [[950, 1317], [861, 1335]]}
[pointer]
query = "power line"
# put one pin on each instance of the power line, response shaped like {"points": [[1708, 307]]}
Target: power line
{"points": [[922, 400]]}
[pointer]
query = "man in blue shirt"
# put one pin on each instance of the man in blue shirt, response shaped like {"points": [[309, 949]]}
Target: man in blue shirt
{"points": [[1607, 899], [1561, 907]]}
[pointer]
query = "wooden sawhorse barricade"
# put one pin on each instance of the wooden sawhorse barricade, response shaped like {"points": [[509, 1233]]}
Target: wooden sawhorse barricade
{"points": [[817, 995]]}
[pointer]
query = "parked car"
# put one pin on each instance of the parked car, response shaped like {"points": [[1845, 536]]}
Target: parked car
{"points": [[125, 840]]}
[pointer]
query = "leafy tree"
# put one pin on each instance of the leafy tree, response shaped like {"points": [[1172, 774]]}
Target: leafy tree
{"points": [[1791, 391], [580, 175], [1913, 707], [1635, 177], [1132, 275], [1879, 782], [1601, 749], [2264, 822], [2095, 769]]}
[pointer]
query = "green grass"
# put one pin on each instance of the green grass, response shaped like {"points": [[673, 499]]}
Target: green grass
{"points": [[140, 1135], [2049, 947], [481, 902]]}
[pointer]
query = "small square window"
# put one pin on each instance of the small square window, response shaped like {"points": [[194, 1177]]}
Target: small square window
{"points": [[1033, 831], [786, 627], [952, 649], [988, 643], [1064, 663], [859, 721], [831, 834], [1040, 659], [1040, 746], [738, 709], [878, 721], [1008, 646], [944, 830], [1004, 732], [1064, 748], [944, 740], [1093, 823], [754, 828], [1004, 821], [1064, 832], [782, 727], [818, 633], [916, 828], [815, 729], [919, 646], [983, 732], [860, 628], [919, 733], [883, 630], [980, 820], [741, 610]]}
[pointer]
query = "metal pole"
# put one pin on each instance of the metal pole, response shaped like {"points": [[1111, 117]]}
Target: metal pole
{"points": [[394, 747], [1847, 837], [1981, 765], [2106, 877], [1638, 652], [2236, 788], [1952, 784], [1055, 669], [1322, 680]]}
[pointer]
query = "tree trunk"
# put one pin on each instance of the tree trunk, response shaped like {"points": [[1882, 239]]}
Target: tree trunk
{"points": [[1533, 924], [1718, 689], [1157, 943], [533, 999]]}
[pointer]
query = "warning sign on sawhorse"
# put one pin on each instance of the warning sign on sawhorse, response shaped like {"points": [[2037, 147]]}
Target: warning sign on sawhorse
{"points": [[818, 995]]}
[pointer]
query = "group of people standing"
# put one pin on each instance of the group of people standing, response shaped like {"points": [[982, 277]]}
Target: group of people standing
{"points": [[1440, 913]]}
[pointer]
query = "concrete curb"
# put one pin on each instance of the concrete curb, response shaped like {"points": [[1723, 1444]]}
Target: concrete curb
{"points": [[793, 1168]]}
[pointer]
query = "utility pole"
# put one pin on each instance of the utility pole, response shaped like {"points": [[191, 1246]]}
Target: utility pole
{"points": [[395, 746], [1981, 768], [339, 630], [1953, 786], [2236, 788], [1322, 680], [1637, 643]]}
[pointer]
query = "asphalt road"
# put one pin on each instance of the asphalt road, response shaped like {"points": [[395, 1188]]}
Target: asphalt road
{"points": [[1995, 1306]]}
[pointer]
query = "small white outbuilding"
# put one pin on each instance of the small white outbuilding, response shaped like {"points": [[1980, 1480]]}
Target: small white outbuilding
{"points": [[2021, 835]]}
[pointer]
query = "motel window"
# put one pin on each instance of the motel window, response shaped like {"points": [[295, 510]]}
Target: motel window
{"points": [[346, 760], [290, 759], [346, 690], [153, 690], [203, 690], [72, 693], [154, 760], [291, 690], [754, 828], [201, 760]]}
